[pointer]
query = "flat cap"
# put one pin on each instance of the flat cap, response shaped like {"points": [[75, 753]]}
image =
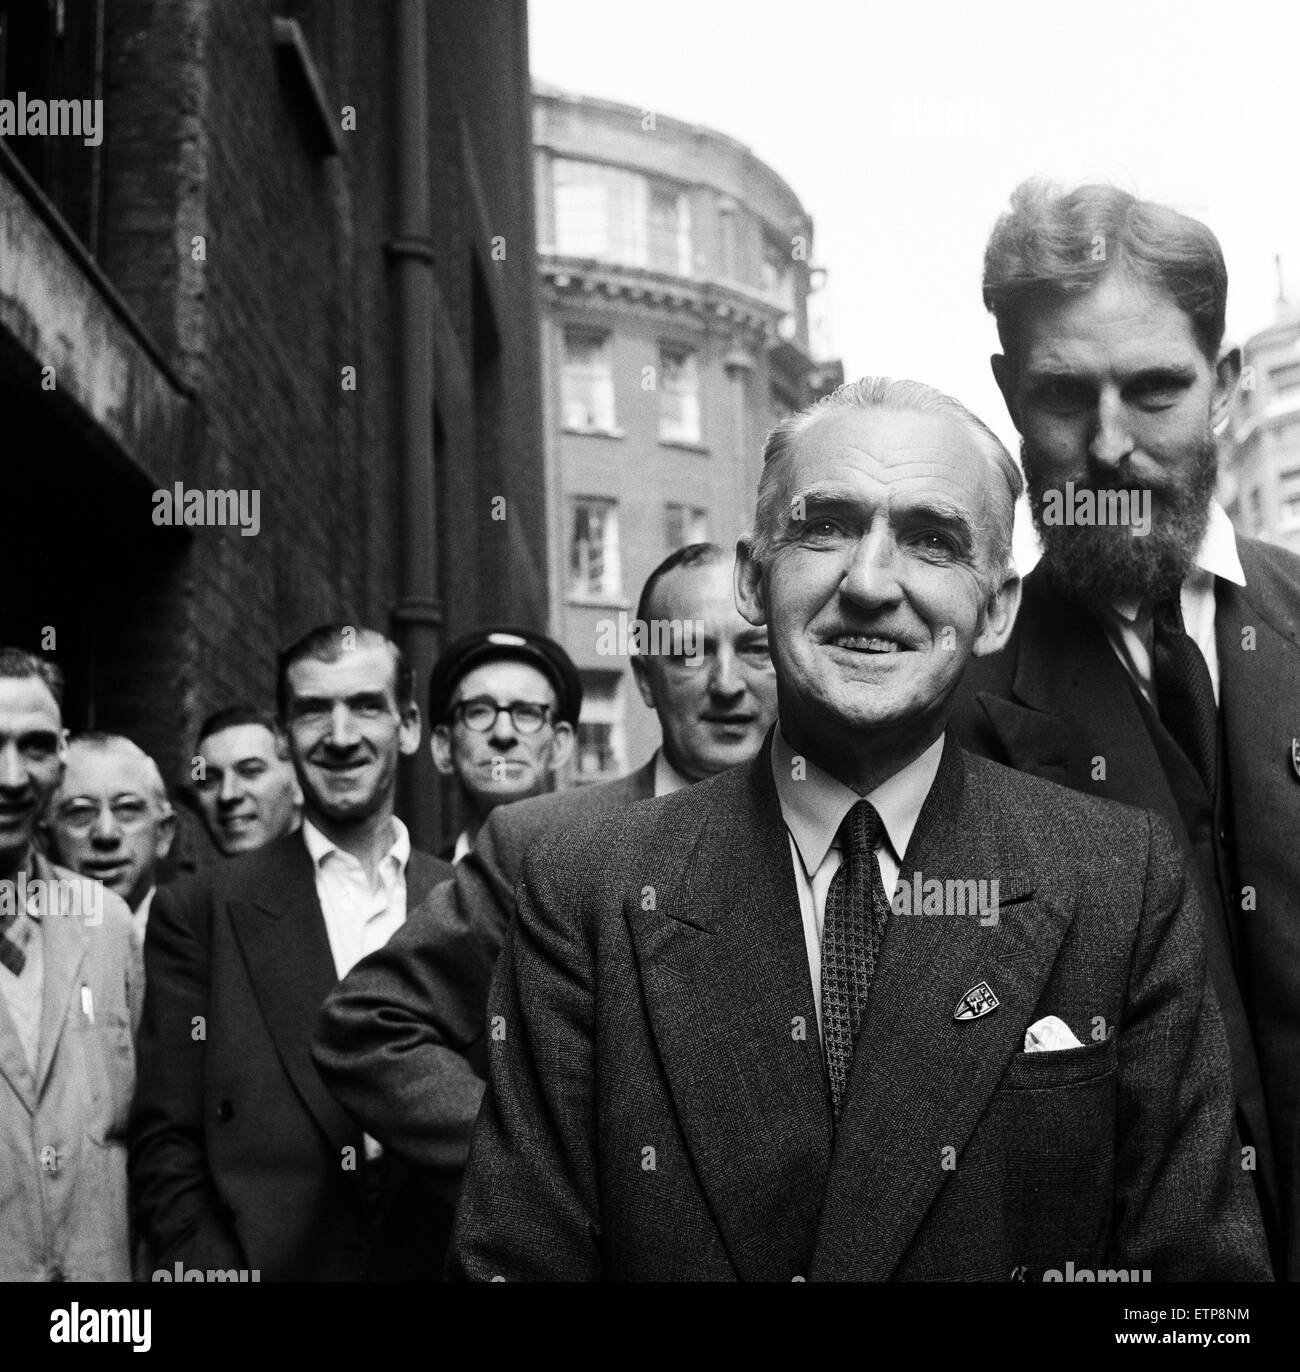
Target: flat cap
{"points": [[505, 641]]}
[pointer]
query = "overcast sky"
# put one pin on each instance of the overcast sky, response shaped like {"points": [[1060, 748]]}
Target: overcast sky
{"points": [[904, 126]]}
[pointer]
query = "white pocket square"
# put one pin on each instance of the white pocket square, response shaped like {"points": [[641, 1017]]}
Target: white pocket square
{"points": [[1049, 1034]]}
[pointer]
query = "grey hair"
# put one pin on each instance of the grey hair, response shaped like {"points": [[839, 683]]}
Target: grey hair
{"points": [[899, 397], [101, 742]]}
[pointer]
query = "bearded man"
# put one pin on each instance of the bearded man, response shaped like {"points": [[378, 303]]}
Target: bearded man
{"points": [[1156, 659]]}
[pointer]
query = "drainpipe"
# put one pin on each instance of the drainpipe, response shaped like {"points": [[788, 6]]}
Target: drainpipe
{"points": [[417, 614]]}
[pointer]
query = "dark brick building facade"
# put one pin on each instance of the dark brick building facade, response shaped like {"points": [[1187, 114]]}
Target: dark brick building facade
{"points": [[282, 191]]}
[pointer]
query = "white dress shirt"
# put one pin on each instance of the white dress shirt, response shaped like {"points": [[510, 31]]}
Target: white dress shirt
{"points": [[359, 917], [813, 807], [140, 915], [1128, 622], [667, 778]]}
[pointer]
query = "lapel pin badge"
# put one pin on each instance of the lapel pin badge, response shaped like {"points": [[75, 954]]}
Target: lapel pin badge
{"points": [[1295, 757], [978, 1001]]}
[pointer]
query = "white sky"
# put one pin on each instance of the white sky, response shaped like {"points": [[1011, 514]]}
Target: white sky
{"points": [[904, 126]]}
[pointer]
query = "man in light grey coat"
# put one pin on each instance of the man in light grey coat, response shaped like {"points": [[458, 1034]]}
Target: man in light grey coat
{"points": [[70, 994]]}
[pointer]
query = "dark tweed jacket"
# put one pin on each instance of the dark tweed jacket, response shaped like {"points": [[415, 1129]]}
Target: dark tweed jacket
{"points": [[403, 1037], [658, 1107]]}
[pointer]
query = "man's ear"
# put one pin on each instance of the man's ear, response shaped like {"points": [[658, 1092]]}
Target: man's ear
{"points": [[440, 747], [751, 594], [562, 741], [408, 732], [166, 835], [1227, 375], [1006, 377], [641, 675], [1000, 612]]}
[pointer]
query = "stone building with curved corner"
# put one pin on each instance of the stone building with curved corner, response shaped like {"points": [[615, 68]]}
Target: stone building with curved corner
{"points": [[676, 275], [1260, 474]]}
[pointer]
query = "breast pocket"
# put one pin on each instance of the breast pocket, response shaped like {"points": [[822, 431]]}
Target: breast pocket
{"points": [[1056, 1119], [106, 1062]]}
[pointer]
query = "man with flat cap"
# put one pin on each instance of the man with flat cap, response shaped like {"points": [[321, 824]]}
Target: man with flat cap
{"points": [[503, 711]]}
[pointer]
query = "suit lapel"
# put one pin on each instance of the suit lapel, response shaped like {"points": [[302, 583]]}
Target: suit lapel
{"points": [[920, 1078], [281, 934], [14, 1066], [725, 974], [1073, 705], [423, 873], [63, 934]]}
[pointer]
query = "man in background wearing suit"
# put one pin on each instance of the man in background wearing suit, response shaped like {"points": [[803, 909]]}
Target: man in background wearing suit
{"points": [[404, 1038], [240, 1158], [725, 1055], [1156, 659]]}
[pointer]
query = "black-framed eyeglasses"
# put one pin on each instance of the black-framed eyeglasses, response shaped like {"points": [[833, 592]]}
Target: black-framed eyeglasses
{"points": [[130, 812], [481, 714]]}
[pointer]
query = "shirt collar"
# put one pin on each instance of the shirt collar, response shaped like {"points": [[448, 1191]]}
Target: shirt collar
{"points": [[814, 807], [1217, 556], [141, 913], [463, 845], [321, 847], [667, 778]]}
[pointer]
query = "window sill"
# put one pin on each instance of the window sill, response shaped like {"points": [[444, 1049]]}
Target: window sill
{"points": [[683, 446], [598, 602], [595, 433]]}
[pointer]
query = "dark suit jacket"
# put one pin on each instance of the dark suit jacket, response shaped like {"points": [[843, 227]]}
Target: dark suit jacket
{"points": [[658, 1106], [1057, 697], [238, 1152], [403, 1037]]}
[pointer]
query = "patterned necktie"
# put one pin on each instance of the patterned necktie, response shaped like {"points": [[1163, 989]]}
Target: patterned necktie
{"points": [[1184, 692], [856, 911]]}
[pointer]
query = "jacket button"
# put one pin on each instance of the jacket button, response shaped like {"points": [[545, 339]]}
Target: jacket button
{"points": [[225, 1111], [49, 1159], [56, 1274]]}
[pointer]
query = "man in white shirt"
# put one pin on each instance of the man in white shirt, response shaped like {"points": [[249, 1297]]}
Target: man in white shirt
{"points": [[1156, 660], [111, 819], [241, 1160], [734, 1050]]}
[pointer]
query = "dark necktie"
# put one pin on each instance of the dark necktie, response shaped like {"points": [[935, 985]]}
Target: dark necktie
{"points": [[1184, 692], [12, 954], [856, 911]]}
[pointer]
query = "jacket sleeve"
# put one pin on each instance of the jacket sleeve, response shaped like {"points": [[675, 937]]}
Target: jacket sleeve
{"points": [[1184, 1205], [529, 1208], [176, 1201], [402, 1038]]}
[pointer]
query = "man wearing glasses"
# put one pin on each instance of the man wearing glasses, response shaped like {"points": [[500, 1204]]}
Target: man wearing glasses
{"points": [[111, 820], [504, 703]]}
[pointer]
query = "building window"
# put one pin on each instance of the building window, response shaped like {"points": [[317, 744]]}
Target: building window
{"points": [[594, 572], [620, 216], [679, 395], [1289, 502], [1285, 379], [587, 383], [601, 212], [670, 230], [685, 524], [1255, 506], [601, 743]]}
